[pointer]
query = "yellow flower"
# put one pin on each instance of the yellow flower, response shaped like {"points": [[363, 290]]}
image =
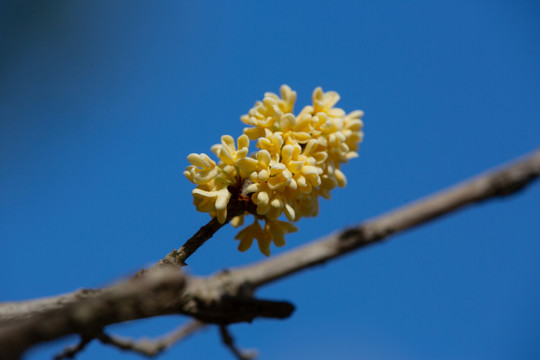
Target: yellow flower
{"points": [[249, 233], [266, 113], [202, 170], [219, 198], [352, 129], [258, 169], [325, 101], [211, 194], [227, 151], [299, 159], [277, 230], [274, 231], [273, 144]]}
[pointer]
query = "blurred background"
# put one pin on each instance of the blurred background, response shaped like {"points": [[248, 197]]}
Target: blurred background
{"points": [[101, 102]]}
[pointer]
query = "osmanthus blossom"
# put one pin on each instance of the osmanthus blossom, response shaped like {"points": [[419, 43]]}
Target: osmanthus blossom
{"points": [[298, 159]]}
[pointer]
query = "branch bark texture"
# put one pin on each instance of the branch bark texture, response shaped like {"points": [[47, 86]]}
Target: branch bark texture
{"points": [[145, 297]]}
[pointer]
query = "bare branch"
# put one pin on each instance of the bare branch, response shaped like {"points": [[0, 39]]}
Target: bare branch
{"points": [[227, 297], [145, 297], [228, 340], [503, 182], [11, 312], [153, 347], [70, 352]]}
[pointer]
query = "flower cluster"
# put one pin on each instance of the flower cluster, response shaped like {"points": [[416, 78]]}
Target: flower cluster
{"points": [[298, 159]]}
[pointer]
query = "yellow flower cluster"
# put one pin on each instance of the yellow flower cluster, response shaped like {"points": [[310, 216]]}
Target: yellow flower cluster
{"points": [[298, 159]]}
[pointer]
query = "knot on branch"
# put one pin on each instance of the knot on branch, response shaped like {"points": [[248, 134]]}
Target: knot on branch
{"points": [[234, 309], [507, 183], [225, 299], [363, 235]]}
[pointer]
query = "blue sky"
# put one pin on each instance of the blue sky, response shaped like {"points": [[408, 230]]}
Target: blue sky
{"points": [[101, 102]]}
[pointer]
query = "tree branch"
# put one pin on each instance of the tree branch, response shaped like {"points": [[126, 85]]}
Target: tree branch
{"points": [[227, 297], [72, 351], [503, 182], [148, 296], [149, 347]]}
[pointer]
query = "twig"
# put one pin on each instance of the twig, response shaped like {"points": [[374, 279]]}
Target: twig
{"points": [[237, 206], [70, 352], [177, 258], [197, 240], [228, 340], [153, 347]]}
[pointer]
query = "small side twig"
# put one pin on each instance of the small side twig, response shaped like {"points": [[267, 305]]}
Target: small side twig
{"points": [[238, 205], [180, 256], [71, 351], [153, 347], [228, 340], [177, 258]]}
